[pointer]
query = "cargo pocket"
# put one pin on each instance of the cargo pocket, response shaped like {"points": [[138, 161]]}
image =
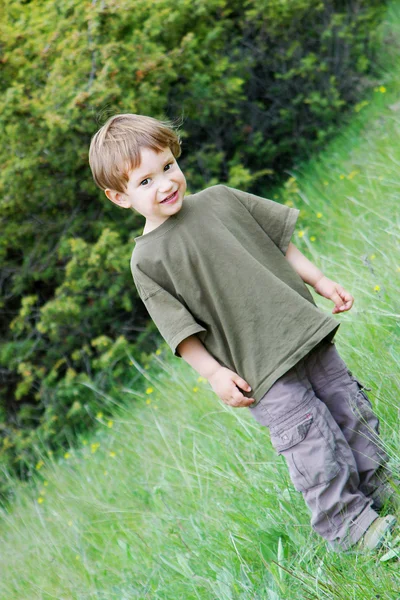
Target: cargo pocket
{"points": [[361, 386], [363, 408], [308, 448], [368, 425]]}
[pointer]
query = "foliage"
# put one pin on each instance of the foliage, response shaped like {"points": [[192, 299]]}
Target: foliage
{"points": [[258, 84]]}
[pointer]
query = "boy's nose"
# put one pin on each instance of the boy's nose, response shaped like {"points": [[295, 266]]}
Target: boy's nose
{"points": [[165, 190]]}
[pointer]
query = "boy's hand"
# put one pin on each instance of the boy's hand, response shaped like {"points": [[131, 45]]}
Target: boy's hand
{"points": [[333, 291], [223, 382]]}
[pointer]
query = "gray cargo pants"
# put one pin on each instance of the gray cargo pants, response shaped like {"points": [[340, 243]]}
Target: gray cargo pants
{"points": [[321, 420]]}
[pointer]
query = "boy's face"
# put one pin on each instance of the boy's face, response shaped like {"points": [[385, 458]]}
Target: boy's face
{"points": [[157, 177]]}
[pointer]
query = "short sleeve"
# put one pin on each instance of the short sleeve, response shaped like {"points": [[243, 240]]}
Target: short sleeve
{"points": [[171, 317], [277, 220]]}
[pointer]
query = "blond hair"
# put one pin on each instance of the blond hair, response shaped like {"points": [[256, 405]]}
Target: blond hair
{"points": [[115, 149]]}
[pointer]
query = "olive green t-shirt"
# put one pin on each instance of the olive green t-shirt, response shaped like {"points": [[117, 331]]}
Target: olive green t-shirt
{"points": [[217, 268]]}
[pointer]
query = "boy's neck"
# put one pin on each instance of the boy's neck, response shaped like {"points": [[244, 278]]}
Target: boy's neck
{"points": [[150, 226]]}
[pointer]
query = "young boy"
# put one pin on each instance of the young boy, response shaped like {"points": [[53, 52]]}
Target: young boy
{"points": [[226, 288]]}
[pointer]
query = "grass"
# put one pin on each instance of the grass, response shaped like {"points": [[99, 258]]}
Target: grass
{"points": [[183, 497]]}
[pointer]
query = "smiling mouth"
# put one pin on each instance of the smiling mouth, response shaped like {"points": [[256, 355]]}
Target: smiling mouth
{"points": [[171, 197]]}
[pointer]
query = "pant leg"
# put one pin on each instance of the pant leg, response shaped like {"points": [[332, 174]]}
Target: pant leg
{"points": [[321, 464], [344, 396]]}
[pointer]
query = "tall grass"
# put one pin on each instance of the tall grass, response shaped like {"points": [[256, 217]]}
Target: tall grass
{"points": [[181, 497]]}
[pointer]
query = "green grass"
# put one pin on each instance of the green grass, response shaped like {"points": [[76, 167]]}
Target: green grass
{"points": [[182, 497]]}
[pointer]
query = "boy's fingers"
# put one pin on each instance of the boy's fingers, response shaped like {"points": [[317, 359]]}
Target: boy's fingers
{"points": [[343, 300], [344, 294], [243, 384], [336, 299], [239, 399], [244, 401]]}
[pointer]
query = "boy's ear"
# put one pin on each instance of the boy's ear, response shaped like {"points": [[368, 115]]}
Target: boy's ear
{"points": [[117, 198]]}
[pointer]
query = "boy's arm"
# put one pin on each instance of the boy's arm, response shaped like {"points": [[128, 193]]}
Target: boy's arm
{"points": [[224, 382], [308, 272], [193, 352], [322, 285]]}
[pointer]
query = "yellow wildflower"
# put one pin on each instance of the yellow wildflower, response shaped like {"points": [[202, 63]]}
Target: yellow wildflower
{"points": [[148, 401], [312, 238], [149, 390], [67, 455], [377, 288], [289, 203], [40, 500], [342, 177], [319, 215], [113, 454], [372, 256], [158, 351], [45, 483], [352, 174], [300, 234], [195, 389], [200, 379], [99, 415], [94, 447], [109, 424], [382, 89], [39, 465]]}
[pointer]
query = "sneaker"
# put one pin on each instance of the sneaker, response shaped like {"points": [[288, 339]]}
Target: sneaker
{"points": [[375, 535], [387, 494]]}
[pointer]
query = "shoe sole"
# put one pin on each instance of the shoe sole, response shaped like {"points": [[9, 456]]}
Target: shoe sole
{"points": [[390, 523]]}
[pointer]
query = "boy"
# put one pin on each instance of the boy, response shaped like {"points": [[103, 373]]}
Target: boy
{"points": [[226, 288]]}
